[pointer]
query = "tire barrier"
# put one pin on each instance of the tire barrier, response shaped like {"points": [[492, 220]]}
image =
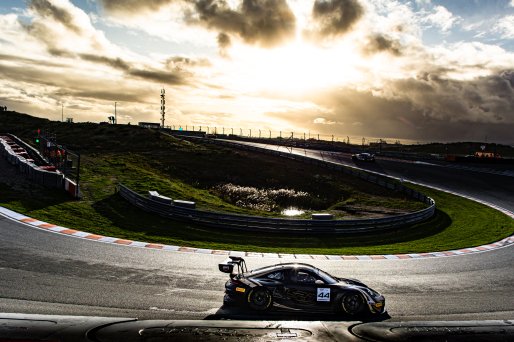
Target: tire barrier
{"points": [[22, 156], [277, 225]]}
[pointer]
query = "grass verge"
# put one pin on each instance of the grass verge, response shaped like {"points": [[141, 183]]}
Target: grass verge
{"points": [[458, 223], [147, 160]]}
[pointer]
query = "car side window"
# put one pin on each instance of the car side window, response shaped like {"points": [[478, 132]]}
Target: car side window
{"points": [[305, 278], [276, 275]]}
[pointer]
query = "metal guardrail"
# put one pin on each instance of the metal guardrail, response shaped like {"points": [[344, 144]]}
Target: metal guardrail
{"points": [[356, 172], [264, 224]]}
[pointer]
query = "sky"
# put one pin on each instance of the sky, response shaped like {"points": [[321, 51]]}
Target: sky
{"points": [[417, 70]]}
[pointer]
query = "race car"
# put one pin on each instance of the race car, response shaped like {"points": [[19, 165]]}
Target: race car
{"points": [[363, 157], [297, 286]]}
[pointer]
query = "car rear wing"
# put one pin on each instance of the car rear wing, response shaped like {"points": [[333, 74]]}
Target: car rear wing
{"points": [[227, 266]]}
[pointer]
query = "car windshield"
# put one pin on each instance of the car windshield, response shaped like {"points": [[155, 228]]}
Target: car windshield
{"points": [[327, 278]]}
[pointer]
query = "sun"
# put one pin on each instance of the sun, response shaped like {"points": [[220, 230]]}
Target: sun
{"points": [[293, 68]]}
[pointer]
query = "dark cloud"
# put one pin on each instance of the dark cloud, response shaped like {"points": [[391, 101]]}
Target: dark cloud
{"points": [[382, 43], [48, 10], [28, 74], [58, 52], [175, 77], [104, 94], [45, 35], [11, 58], [181, 62], [66, 84], [334, 17], [484, 99], [134, 6], [158, 76], [224, 43], [429, 107], [263, 22], [116, 63]]}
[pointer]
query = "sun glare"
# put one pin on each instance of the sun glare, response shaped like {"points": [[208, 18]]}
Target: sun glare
{"points": [[292, 69]]}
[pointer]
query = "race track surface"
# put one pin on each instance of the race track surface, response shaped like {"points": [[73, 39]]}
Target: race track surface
{"points": [[48, 273]]}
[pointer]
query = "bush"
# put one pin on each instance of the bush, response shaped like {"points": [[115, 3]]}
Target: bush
{"points": [[262, 199]]}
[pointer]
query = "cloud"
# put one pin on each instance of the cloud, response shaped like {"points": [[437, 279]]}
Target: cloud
{"points": [[263, 22], [427, 107], [134, 6], [505, 27], [63, 27], [46, 9], [430, 99], [441, 18], [382, 43], [25, 60], [224, 43], [333, 17], [323, 121], [485, 99], [104, 94], [181, 62], [154, 75], [116, 63], [175, 77]]}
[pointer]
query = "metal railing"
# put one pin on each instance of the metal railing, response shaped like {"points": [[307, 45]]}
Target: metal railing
{"points": [[265, 224]]}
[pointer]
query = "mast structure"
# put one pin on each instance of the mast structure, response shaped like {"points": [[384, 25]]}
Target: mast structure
{"points": [[163, 107]]}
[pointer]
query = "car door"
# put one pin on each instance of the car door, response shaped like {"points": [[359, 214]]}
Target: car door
{"points": [[274, 282], [305, 289]]}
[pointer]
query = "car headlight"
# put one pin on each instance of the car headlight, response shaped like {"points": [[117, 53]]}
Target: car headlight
{"points": [[371, 293]]}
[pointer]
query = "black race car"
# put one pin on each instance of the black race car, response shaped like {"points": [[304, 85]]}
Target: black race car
{"points": [[363, 157], [297, 286]]}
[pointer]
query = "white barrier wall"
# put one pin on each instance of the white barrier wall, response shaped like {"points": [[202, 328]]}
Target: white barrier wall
{"points": [[17, 156]]}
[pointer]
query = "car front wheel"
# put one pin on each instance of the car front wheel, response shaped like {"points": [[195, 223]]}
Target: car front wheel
{"points": [[260, 299], [352, 303]]}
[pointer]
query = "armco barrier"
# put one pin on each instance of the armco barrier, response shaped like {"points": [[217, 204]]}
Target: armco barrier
{"points": [[364, 175], [264, 224]]}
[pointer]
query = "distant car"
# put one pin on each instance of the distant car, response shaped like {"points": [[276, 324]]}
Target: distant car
{"points": [[297, 286], [363, 157]]}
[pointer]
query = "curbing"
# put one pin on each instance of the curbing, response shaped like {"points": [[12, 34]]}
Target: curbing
{"points": [[14, 216]]}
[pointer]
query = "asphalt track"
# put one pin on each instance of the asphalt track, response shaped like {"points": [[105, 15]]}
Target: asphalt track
{"points": [[46, 273]]}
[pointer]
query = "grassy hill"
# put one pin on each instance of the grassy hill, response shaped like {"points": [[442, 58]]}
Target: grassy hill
{"points": [[147, 160]]}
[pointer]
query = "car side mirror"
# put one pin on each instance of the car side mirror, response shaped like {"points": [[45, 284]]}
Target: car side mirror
{"points": [[319, 282]]}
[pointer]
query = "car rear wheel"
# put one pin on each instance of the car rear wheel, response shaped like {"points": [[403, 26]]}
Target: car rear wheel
{"points": [[352, 303], [260, 299]]}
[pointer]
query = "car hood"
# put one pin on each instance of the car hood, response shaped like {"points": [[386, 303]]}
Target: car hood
{"points": [[350, 281]]}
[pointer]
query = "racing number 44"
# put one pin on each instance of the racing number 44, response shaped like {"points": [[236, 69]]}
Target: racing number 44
{"points": [[323, 295]]}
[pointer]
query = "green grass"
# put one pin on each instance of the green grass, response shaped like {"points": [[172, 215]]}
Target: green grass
{"points": [[145, 160], [458, 223]]}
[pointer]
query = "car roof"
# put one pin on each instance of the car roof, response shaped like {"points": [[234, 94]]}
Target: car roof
{"points": [[281, 266]]}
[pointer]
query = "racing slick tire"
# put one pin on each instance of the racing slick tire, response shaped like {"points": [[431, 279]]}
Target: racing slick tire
{"points": [[260, 299], [352, 304]]}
